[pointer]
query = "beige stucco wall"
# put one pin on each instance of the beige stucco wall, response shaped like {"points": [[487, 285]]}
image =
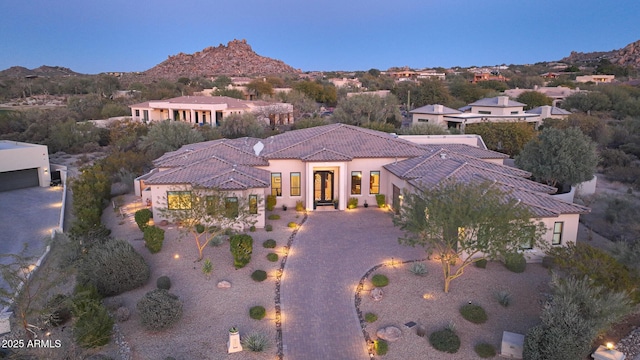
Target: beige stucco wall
{"points": [[436, 119], [19, 156]]}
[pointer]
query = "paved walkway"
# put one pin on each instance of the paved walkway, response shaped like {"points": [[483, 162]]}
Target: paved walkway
{"points": [[330, 254]]}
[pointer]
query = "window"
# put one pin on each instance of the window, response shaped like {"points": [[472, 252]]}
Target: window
{"points": [[295, 184], [514, 112], [231, 207], [179, 200], [356, 182], [374, 182], [137, 112], [485, 112], [557, 233], [253, 204], [531, 233], [276, 184]]}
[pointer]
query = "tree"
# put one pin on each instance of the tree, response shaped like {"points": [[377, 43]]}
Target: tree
{"points": [[509, 138], [363, 109], [232, 93], [534, 99], [302, 104], [427, 91], [556, 157], [587, 102], [165, 136], [260, 87], [241, 125], [221, 82], [465, 222], [423, 129], [322, 93], [207, 213]]}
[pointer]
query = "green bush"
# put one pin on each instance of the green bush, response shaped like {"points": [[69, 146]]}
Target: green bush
{"points": [[548, 262], [370, 317], [255, 342], [60, 311], [268, 227], [503, 297], [482, 263], [299, 205], [381, 347], [269, 244], [142, 218], [352, 203], [259, 275], [93, 326], [445, 340], [271, 202], [159, 309], [473, 313], [218, 240], [153, 238], [252, 228], [207, 267], [379, 280], [292, 224], [257, 312], [113, 268], [515, 262], [418, 268], [380, 200], [163, 282], [485, 350], [273, 257], [241, 248], [273, 217]]}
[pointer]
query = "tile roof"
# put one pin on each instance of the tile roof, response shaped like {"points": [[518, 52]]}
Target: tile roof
{"points": [[494, 102], [236, 151], [469, 150]]}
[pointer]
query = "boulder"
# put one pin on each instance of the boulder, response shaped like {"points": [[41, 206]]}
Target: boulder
{"points": [[389, 333], [122, 314], [224, 284], [376, 294]]}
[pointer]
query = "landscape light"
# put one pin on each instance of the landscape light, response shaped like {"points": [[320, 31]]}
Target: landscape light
{"points": [[610, 346]]}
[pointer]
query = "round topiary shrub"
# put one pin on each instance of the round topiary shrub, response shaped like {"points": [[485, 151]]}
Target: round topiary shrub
{"points": [[269, 244], [268, 227], [273, 257], [153, 238], [482, 263], [292, 224], [474, 313], [252, 228], [379, 280], [445, 340], [163, 282], [273, 217], [142, 218], [485, 350], [515, 262], [259, 275], [113, 268], [159, 309], [370, 317], [381, 347], [257, 312]]}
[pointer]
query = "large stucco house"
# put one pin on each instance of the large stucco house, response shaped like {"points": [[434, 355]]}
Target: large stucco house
{"points": [[318, 165], [210, 110]]}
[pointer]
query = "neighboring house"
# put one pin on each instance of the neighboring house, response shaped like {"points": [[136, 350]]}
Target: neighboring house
{"points": [[485, 76], [546, 111], [431, 74], [344, 82], [381, 93], [598, 79], [557, 94], [23, 165], [210, 110], [320, 165], [432, 114]]}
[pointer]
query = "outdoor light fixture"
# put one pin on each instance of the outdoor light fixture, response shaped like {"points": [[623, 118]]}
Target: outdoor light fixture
{"points": [[176, 256], [609, 346]]}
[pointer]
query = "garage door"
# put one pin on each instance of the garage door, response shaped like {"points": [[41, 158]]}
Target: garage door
{"points": [[19, 179]]}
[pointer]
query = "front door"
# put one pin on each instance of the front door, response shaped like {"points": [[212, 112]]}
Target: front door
{"points": [[323, 187]]}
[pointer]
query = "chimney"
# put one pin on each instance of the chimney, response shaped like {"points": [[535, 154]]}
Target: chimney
{"points": [[545, 112], [438, 109], [503, 100]]}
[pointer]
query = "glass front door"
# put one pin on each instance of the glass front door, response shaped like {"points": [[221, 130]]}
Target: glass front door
{"points": [[323, 187]]}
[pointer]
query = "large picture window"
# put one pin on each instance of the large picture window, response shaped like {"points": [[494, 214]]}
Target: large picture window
{"points": [[253, 204], [374, 182], [179, 200], [531, 233], [276, 184], [231, 207], [557, 233], [295, 184], [356, 182]]}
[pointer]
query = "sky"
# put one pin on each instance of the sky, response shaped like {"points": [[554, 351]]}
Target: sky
{"points": [[135, 35]]}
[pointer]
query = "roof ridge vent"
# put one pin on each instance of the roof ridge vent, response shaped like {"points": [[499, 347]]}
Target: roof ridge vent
{"points": [[443, 155]]}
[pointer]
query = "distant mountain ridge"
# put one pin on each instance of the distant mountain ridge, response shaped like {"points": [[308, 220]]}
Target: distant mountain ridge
{"points": [[44, 70], [627, 56]]}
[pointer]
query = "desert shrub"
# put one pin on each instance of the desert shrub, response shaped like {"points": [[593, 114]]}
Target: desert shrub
{"points": [[142, 218], [207, 267], [269, 244], [218, 240], [60, 311], [352, 203], [255, 342], [515, 262], [113, 268], [418, 268], [380, 200], [379, 280], [473, 313], [485, 350], [503, 297], [252, 228], [548, 262], [292, 224], [93, 326], [163, 282], [271, 202], [299, 205], [370, 317], [159, 309], [273, 217], [482, 263], [445, 340], [241, 248], [268, 227], [381, 347], [273, 257], [257, 312], [259, 275], [153, 238]]}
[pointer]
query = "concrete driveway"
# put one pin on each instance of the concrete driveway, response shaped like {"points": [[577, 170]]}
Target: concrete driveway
{"points": [[330, 254]]}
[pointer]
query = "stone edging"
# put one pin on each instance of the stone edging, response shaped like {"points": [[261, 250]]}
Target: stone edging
{"points": [[280, 353], [358, 297]]}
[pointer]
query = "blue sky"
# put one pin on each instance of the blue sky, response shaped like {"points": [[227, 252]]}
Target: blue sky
{"points": [[135, 35]]}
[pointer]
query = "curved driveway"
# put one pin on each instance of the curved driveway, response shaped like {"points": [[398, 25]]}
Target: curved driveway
{"points": [[329, 255]]}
